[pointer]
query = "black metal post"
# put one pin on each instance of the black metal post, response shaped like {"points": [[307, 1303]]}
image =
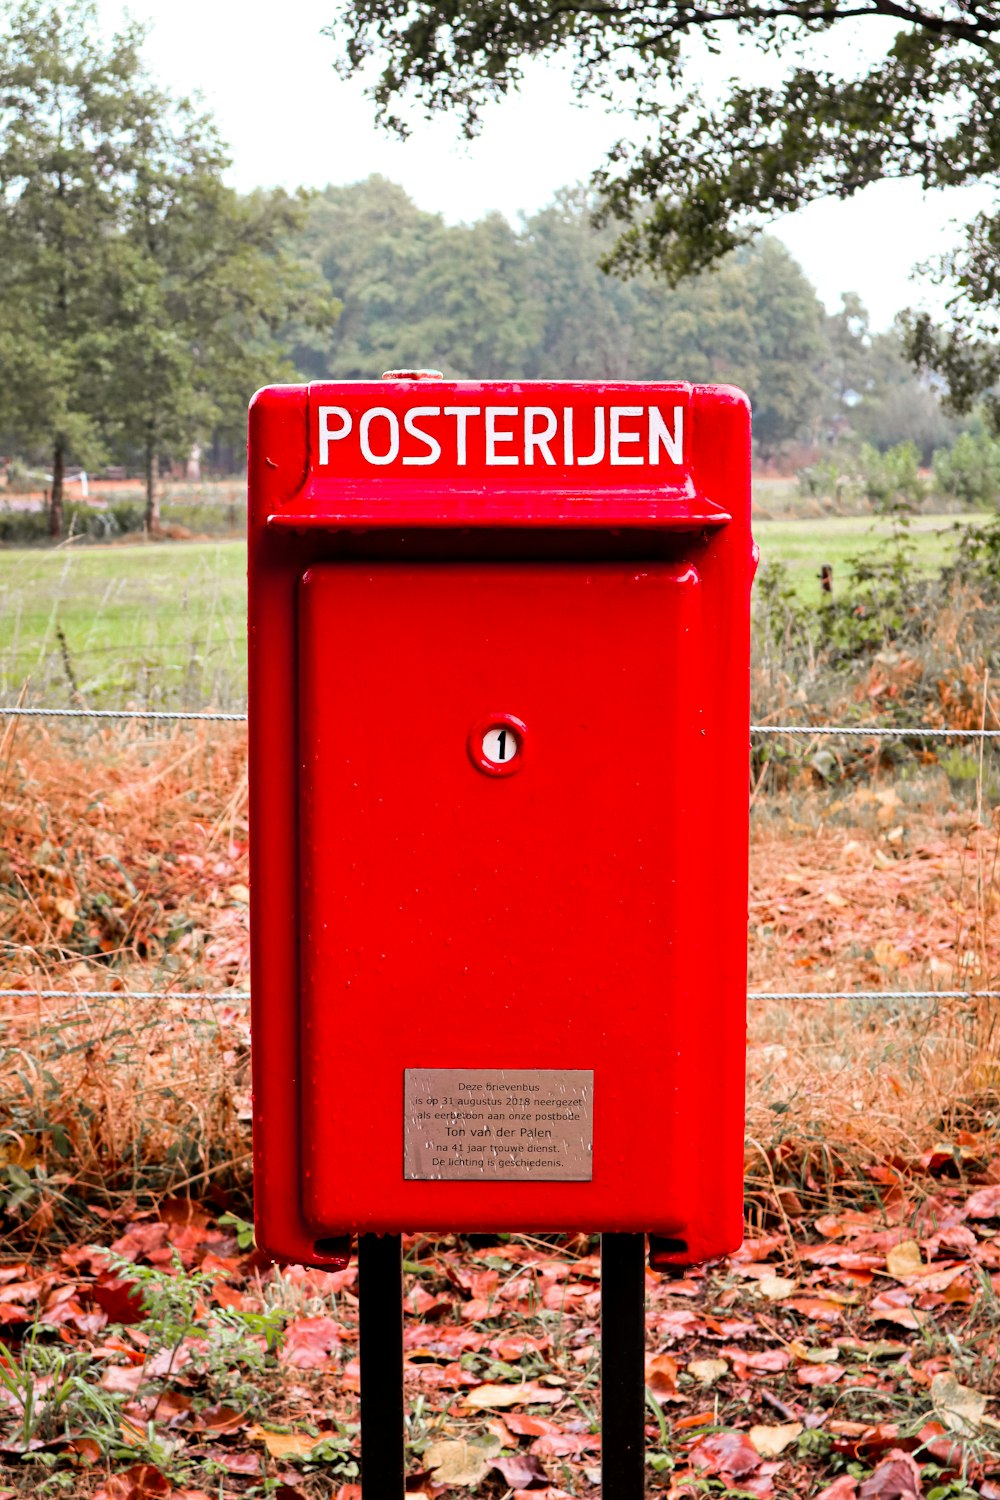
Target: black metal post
{"points": [[380, 1327], [623, 1366]]}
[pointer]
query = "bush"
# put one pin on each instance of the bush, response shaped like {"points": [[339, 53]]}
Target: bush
{"points": [[970, 469], [891, 480]]}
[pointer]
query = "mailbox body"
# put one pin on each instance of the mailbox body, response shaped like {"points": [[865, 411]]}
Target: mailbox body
{"points": [[569, 925]]}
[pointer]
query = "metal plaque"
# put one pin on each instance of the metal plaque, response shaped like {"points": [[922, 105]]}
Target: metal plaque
{"points": [[499, 1124]]}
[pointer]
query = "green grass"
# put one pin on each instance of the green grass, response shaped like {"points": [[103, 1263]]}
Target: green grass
{"points": [[164, 624], [149, 625], [805, 545]]}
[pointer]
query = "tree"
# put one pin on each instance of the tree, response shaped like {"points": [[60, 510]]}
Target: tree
{"points": [[205, 282], [707, 178], [140, 297], [484, 300], [65, 155]]}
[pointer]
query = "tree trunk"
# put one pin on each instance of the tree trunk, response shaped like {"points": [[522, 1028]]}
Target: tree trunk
{"points": [[152, 498], [56, 498]]}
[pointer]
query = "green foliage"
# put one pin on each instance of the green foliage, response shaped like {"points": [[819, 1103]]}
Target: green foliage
{"points": [[222, 1345], [916, 99], [483, 301], [970, 469], [51, 1391], [140, 297], [891, 480]]}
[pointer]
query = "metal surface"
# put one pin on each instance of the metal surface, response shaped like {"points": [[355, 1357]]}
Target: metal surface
{"points": [[518, 1125], [380, 1329], [410, 911], [623, 1366]]}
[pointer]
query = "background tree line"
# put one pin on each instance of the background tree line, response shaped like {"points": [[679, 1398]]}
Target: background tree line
{"points": [[486, 300]]}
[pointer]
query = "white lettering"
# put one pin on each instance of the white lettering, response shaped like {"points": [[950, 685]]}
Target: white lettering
{"points": [[433, 446], [659, 434], [539, 440], [567, 435], [598, 453], [326, 434], [461, 415], [366, 447], [619, 437], [494, 436]]}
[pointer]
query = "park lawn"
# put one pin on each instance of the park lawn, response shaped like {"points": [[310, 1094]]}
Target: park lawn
{"points": [[164, 624]]}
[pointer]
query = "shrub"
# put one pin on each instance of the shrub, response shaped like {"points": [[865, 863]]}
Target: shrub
{"points": [[970, 469], [891, 480]]}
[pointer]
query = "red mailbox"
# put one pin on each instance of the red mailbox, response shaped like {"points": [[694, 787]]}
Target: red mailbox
{"points": [[499, 708]]}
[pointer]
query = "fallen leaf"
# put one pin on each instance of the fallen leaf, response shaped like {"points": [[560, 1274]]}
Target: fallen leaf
{"points": [[661, 1375], [770, 1441], [521, 1470], [708, 1371], [844, 1488], [904, 1260], [525, 1425], [819, 1374], [896, 1478], [284, 1444], [308, 1343], [487, 1396], [776, 1287], [959, 1407], [728, 1454], [462, 1461], [141, 1482], [120, 1299], [985, 1204]]}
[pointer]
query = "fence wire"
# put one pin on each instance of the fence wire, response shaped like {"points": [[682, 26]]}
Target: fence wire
{"points": [[916, 731], [242, 997], [878, 731]]}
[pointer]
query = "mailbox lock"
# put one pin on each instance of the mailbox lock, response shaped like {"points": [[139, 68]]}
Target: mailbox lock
{"points": [[496, 744]]}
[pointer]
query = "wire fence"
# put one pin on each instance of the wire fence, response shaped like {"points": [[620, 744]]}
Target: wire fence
{"points": [[877, 731], [242, 997]]}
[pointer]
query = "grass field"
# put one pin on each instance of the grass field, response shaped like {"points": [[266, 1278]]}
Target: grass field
{"points": [[164, 623]]}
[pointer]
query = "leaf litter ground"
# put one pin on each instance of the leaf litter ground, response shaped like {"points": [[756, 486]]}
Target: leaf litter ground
{"points": [[851, 1349]]}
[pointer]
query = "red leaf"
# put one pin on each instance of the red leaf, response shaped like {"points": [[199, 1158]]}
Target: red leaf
{"points": [[521, 1470], [819, 1374], [728, 1454], [308, 1343], [843, 1488], [121, 1300], [896, 1478], [985, 1204], [525, 1425], [141, 1482]]}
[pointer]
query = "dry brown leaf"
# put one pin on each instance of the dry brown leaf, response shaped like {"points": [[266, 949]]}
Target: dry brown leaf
{"points": [[484, 1397], [284, 1444], [770, 1441], [776, 1287], [959, 1407], [462, 1461], [708, 1371], [904, 1260]]}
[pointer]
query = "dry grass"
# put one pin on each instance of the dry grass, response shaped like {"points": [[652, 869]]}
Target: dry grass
{"points": [[123, 865]]}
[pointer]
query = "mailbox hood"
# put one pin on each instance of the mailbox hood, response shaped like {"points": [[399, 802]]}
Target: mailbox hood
{"points": [[420, 452]]}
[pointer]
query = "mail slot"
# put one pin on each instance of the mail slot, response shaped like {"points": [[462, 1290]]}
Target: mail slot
{"points": [[499, 708]]}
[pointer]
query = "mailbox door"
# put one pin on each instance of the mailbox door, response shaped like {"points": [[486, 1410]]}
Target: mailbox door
{"points": [[556, 916]]}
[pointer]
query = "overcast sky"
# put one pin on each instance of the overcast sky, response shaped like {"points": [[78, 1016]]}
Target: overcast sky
{"points": [[265, 72]]}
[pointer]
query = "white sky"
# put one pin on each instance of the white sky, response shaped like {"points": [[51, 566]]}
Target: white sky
{"points": [[266, 74]]}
